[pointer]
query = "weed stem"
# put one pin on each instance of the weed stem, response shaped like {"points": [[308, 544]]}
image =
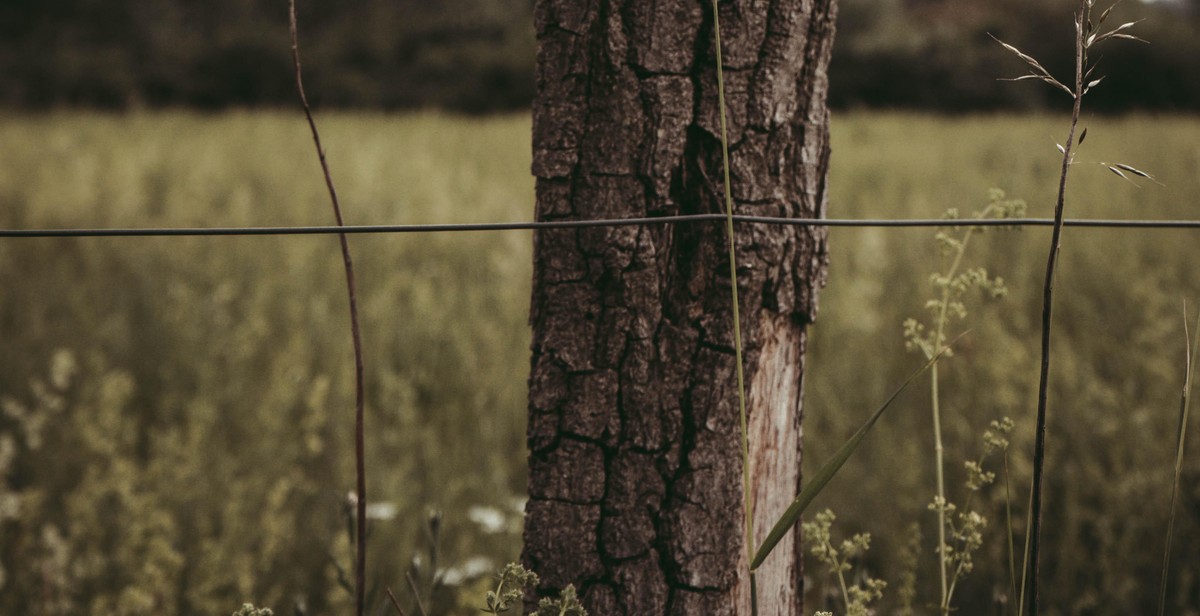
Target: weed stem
{"points": [[360, 562], [1039, 448]]}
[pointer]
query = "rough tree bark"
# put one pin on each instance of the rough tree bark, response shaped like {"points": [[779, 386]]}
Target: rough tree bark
{"points": [[635, 473]]}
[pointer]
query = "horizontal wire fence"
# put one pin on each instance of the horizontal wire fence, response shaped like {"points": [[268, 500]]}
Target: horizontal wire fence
{"points": [[607, 222]]}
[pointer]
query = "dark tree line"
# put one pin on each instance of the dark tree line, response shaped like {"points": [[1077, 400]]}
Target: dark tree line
{"points": [[470, 55], [937, 54], [478, 55]]}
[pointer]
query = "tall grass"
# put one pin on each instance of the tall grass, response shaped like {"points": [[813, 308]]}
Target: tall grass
{"points": [[1087, 35], [1119, 306], [234, 351]]}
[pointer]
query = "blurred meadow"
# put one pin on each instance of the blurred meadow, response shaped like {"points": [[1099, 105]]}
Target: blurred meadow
{"points": [[176, 434]]}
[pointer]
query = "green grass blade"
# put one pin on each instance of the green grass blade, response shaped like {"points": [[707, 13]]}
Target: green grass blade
{"points": [[828, 470], [747, 491], [1181, 441], [1008, 520], [1025, 552]]}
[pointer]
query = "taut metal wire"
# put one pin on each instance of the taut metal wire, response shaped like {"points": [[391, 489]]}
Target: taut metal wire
{"points": [[574, 224]]}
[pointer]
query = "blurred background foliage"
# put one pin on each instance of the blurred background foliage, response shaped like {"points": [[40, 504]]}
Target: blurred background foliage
{"points": [[175, 424], [477, 55], [176, 420]]}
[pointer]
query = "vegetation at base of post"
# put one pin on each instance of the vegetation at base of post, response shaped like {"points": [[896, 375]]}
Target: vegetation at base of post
{"points": [[514, 581]]}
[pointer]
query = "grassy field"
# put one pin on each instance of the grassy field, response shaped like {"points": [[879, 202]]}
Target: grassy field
{"points": [[177, 411]]}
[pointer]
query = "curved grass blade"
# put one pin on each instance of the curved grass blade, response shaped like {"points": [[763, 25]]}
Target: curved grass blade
{"points": [[829, 469]]}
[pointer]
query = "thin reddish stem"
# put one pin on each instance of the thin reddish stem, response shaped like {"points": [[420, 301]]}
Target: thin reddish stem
{"points": [[360, 561]]}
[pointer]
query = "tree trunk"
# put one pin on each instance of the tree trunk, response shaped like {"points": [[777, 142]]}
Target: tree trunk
{"points": [[635, 471]]}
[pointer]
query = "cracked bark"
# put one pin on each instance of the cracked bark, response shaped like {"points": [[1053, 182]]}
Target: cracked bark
{"points": [[635, 478]]}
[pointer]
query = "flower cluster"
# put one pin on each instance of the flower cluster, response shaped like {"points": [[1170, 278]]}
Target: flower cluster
{"points": [[837, 561], [510, 593]]}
